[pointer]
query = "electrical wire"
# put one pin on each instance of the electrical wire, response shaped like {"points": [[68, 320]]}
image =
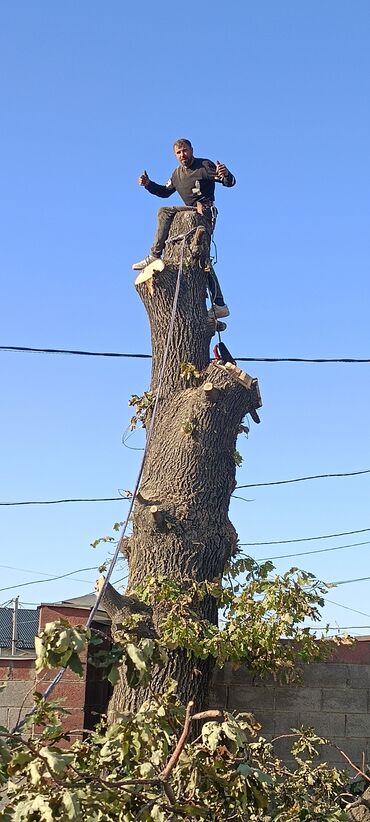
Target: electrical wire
{"points": [[60, 501], [336, 627], [49, 579], [347, 608], [317, 551], [348, 581], [121, 579], [238, 487], [304, 479], [303, 539], [28, 571], [28, 350]]}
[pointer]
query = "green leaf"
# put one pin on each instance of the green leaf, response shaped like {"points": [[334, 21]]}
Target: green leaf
{"points": [[211, 733], [137, 656], [41, 805], [57, 762], [157, 814], [245, 769], [113, 675], [263, 777], [71, 805], [75, 664]]}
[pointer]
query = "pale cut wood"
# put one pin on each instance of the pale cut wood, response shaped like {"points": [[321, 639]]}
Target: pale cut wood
{"points": [[157, 516], [149, 271], [211, 393]]}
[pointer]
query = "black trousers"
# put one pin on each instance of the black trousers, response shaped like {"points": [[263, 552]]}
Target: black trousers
{"points": [[164, 219]]}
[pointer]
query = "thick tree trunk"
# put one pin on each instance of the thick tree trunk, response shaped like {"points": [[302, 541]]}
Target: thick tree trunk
{"points": [[181, 527]]}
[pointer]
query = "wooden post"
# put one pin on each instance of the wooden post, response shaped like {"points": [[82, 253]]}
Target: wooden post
{"points": [[15, 626]]}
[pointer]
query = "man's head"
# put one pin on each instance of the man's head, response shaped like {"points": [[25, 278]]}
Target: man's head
{"points": [[184, 151]]}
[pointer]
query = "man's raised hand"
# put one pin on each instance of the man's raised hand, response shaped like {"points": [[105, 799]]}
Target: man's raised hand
{"points": [[221, 170], [143, 179]]}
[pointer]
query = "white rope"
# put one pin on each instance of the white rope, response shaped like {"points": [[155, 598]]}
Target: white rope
{"points": [[49, 690]]}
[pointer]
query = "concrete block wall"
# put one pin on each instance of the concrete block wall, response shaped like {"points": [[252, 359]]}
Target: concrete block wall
{"points": [[334, 699]]}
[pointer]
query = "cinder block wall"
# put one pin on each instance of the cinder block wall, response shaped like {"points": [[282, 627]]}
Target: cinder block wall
{"points": [[334, 698]]}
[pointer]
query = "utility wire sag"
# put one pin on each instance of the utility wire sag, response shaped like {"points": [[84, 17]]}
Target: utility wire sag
{"points": [[317, 551], [117, 354], [304, 479], [250, 485], [49, 579], [303, 539]]}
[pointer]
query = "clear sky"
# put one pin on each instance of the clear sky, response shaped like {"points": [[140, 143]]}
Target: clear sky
{"points": [[92, 93]]}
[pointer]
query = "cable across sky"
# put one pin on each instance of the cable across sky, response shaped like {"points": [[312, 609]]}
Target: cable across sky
{"points": [[119, 354], [250, 485]]}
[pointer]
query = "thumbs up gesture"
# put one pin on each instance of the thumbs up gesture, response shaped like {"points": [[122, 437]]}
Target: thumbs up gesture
{"points": [[143, 179]]}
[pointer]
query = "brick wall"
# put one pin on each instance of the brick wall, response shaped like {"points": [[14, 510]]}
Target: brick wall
{"points": [[83, 700], [18, 675], [21, 679], [72, 688], [334, 698]]}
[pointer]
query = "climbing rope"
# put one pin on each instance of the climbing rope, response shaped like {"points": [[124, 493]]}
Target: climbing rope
{"points": [[49, 690]]}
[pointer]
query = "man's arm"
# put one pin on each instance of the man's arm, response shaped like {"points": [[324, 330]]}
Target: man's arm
{"points": [[219, 173], [224, 176], [155, 188]]}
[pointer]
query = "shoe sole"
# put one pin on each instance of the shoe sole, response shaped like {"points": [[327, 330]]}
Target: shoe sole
{"points": [[216, 326], [147, 273], [213, 312]]}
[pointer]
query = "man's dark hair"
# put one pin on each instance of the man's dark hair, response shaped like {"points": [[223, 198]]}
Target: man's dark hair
{"points": [[182, 142]]}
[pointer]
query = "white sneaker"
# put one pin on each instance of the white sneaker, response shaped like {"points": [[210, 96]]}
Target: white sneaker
{"points": [[143, 263], [150, 271], [218, 311]]}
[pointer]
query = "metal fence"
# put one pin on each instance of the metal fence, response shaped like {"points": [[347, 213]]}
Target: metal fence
{"points": [[25, 629]]}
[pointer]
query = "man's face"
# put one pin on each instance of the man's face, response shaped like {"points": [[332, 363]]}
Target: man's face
{"points": [[184, 155]]}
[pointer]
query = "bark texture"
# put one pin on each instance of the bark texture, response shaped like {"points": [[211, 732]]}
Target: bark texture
{"points": [[181, 527], [359, 811]]}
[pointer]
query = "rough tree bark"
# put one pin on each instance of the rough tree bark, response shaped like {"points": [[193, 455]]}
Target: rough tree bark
{"points": [[181, 527]]}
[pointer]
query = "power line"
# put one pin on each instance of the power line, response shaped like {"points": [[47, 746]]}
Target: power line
{"points": [[303, 539], [317, 551], [50, 579], [304, 359], [60, 501], [304, 479], [346, 607], [336, 627], [347, 581], [28, 350], [250, 485], [28, 571]]}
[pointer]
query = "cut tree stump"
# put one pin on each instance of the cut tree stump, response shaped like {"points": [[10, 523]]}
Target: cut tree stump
{"points": [[187, 479]]}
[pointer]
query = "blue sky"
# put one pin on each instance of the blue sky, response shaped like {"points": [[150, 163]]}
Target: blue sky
{"points": [[93, 93]]}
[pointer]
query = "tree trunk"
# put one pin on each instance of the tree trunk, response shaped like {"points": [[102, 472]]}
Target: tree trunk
{"points": [[181, 527]]}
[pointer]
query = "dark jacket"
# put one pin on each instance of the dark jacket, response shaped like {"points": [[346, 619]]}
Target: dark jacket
{"points": [[194, 184]]}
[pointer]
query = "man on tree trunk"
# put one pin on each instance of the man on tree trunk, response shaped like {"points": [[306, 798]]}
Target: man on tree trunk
{"points": [[194, 180]]}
